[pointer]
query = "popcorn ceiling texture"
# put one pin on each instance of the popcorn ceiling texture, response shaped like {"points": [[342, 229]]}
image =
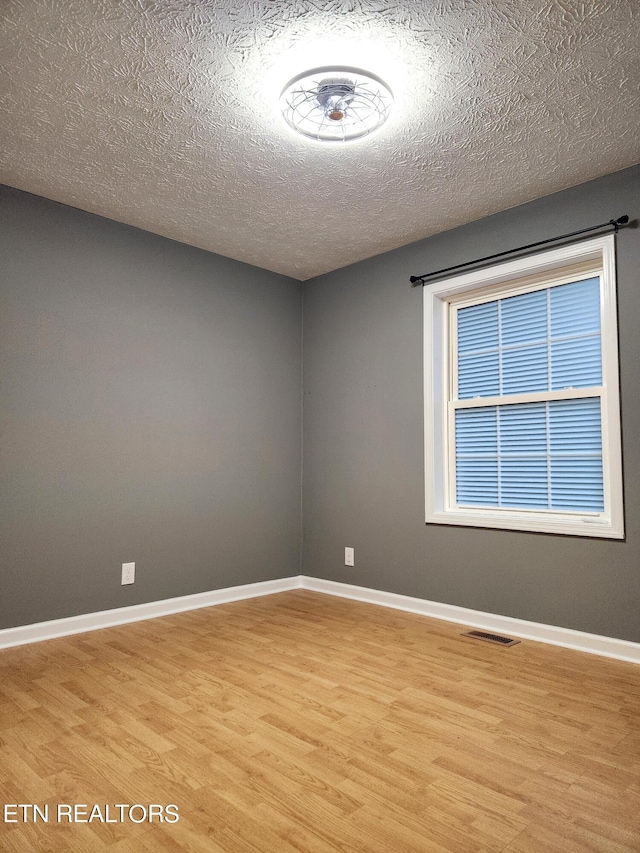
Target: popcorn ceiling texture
{"points": [[164, 115]]}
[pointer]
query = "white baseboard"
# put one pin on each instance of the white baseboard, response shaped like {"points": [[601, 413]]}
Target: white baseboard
{"points": [[137, 612], [566, 637]]}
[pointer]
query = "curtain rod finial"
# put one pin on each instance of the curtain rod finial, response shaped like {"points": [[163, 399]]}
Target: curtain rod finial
{"points": [[621, 220]]}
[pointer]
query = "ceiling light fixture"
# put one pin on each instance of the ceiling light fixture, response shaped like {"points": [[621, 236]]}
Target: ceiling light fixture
{"points": [[336, 104]]}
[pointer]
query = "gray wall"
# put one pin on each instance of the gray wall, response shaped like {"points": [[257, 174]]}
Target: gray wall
{"points": [[363, 436], [150, 411]]}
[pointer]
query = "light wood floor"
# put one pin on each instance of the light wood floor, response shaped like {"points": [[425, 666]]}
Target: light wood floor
{"points": [[302, 722]]}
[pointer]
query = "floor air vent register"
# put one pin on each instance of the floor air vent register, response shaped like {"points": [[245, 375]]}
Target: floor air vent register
{"points": [[491, 638]]}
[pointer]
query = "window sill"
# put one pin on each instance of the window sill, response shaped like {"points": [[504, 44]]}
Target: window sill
{"points": [[569, 525]]}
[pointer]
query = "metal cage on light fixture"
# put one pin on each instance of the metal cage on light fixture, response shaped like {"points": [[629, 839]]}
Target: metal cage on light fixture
{"points": [[336, 104]]}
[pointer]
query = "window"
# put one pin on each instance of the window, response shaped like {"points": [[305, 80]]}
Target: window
{"points": [[522, 421]]}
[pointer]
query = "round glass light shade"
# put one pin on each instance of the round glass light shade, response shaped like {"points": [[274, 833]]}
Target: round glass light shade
{"points": [[336, 104]]}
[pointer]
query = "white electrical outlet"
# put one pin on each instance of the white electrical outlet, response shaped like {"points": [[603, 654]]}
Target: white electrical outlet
{"points": [[349, 557], [128, 573]]}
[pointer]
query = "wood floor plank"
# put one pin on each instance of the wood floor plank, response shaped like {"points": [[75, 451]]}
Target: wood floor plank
{"points": [[302, 722]]}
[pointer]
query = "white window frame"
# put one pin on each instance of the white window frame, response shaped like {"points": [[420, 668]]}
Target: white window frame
{"points": [[522, 275]]}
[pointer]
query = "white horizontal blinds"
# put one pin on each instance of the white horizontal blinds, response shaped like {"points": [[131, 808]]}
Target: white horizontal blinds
{"points": [[524, 343], [540, 341], [575, 455], [545, 454], [479, 351], [477, 474], [574, 334]]}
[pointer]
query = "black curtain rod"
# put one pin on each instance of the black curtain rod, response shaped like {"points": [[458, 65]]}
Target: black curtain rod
{"points": [[613, 223]]}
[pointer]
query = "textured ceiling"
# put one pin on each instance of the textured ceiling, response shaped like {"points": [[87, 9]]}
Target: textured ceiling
{"points": [[164, 115]]}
